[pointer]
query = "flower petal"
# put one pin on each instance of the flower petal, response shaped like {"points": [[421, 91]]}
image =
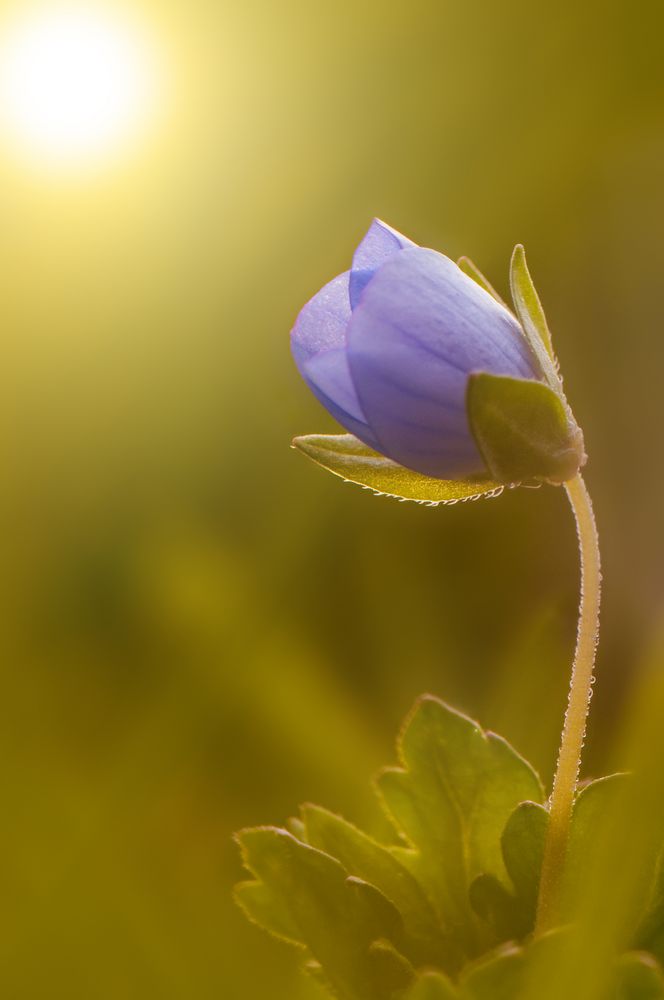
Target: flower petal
{"points": [[318, 343], [321, 324], [420, 329], [328, 376], [380, 242]]}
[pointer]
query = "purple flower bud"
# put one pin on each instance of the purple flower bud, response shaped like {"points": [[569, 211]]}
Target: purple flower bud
{"points": [[388, 348]]}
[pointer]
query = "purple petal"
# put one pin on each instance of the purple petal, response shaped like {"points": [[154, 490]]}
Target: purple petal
{"points": [[421, 328], [318, 343], [328, 376], [321, 324], [380, 242]]}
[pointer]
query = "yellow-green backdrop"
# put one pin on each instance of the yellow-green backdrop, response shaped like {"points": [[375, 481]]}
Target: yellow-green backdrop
{"points": [[200, 629]]}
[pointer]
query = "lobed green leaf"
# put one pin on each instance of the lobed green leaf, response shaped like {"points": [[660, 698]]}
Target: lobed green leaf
{"points": [[395, 922], [424, 940], [451, 798], [346, 925]]}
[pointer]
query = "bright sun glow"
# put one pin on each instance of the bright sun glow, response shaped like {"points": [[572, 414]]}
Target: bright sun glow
{"points": [[74, 83]]}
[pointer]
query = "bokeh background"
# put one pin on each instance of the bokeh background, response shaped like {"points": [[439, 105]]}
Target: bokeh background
{"points": [[199, 628]]}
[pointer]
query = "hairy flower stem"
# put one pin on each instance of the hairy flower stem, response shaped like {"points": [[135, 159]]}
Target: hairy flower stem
{"points": [[578, 704]]}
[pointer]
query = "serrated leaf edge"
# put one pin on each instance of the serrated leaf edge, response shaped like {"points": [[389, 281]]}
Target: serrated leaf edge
{"points": [[402, 766], [481, 495]]}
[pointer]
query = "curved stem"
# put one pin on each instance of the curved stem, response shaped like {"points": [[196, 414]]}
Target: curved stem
{"points": [[578, 704]]}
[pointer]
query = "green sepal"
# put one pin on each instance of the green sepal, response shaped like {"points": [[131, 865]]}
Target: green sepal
{"points": [[523, 429], [347, 457], [531, 315], [468, 267]]}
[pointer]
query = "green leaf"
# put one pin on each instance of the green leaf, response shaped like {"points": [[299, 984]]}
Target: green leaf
{"points": [[451, 798], [497, 906], [509, 972], [523, 429], [347, 457], [424, 941], [262, 907], [392, 922], [497, 978], [593, 809], [389, 971], [598, 807], [531, 314], [524, 973], [345, 924], [650, 933], [295, 826], [523, 850], [511, 913], [316, 974], [432, 986], [592, 805], [466, 265], [638, 977]]}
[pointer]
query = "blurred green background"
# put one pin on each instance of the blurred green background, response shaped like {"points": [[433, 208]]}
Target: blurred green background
{"points": [[200, 629]]}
